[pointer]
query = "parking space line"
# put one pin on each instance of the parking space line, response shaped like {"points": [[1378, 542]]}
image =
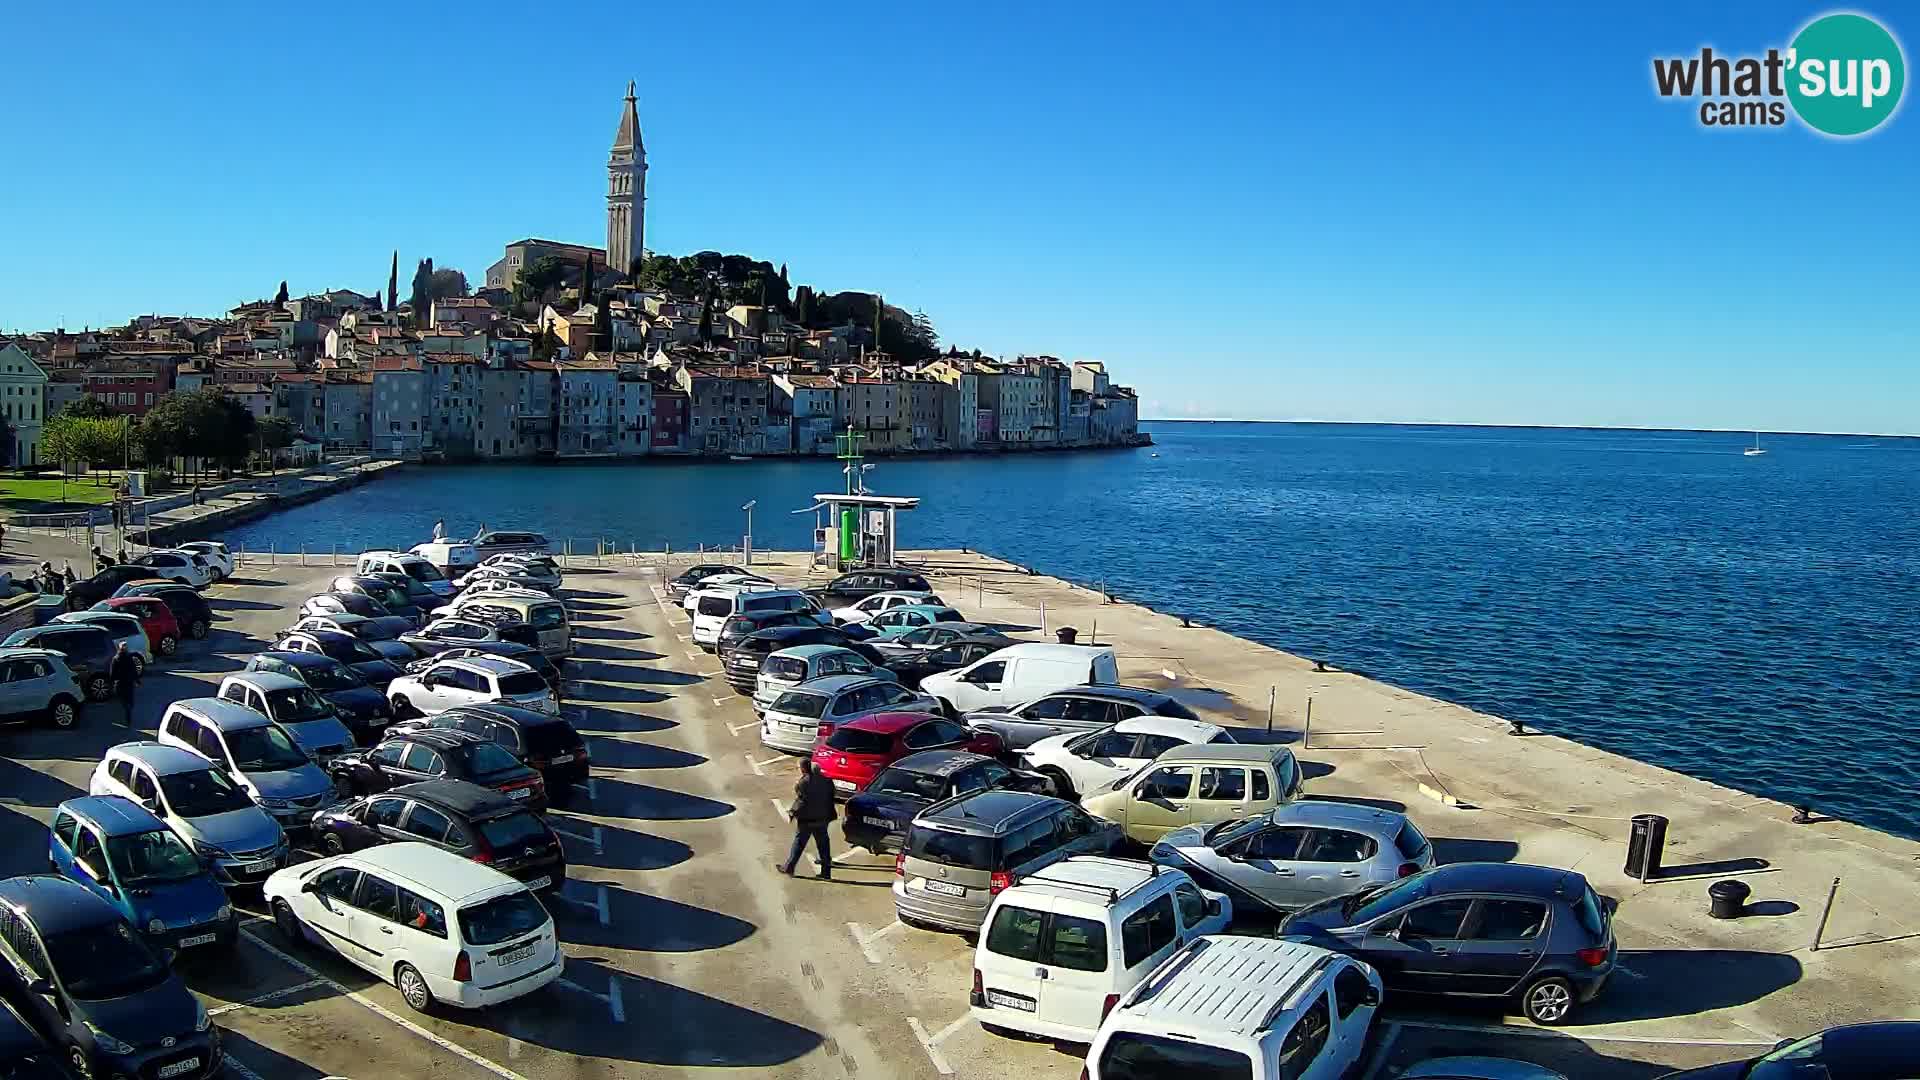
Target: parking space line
{"points": [[866, 940], [931, 1043], [691, 655], [761, 766], [611, 999], [706, 674], [1585, 1036], [263, 998], [596, 838], [385, 1013], [722, 702], [738, 728], [598, 905]]}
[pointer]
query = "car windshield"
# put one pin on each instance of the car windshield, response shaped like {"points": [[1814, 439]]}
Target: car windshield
{"points": [[346, 648], [1588, 912], [151, 856], [380, 629], [902, 782], [501, 919], [202, 793], [263, 749], [797, 704], [856, 741], [104, 961], [1373, 903], [514, 831], [488, 760], [950, 848], [715, 605], [297, 703], [548, 617], [522, 682], [332, 675]]}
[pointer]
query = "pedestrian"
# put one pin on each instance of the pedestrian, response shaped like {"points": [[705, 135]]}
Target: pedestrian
{"points": [[811, 813], [125, 672], [196, 494], [50, 582], [100, 559], [66, 572], [122, 557], [3, 533], [439, 531]]}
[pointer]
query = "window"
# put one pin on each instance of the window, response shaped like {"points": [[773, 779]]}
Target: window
{"points": [[1147, 931], [1350, 988], [1172, 782], [1510, 920], [379, 897], [1152, 746], [422, 760], [1280, 845], [121, 770], [1223, 785], [1192, 905], [988, 673], [1016, 933], [1029, 842], [386, 812], [388, 754], [1113, 744], [207, 741], [1304, 1043], [1289, 773], [1438, 920], [64, 827], [1338, 846], [338, 883], [422, 914], [1077, 944], [1091, 712], [1262, 791]]}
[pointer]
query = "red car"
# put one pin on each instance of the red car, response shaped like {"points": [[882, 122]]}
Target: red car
{"points": [[156, 618], [853, 753]]}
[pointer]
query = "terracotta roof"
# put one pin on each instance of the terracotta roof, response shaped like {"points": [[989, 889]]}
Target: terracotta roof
{"points": [[396, 363], [450, 358], [815, 382], [247, 388]]}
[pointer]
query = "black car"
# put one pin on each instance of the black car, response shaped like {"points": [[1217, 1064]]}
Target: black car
{"points": [[466, 819], [1875, 1051], [409, 757], [189, 608], [395, 598], [1535, 934], [680, 584], [25, 1054], [364, 659], [328, 603], [736, 627], [506, 650], [743, 661], [85, 980], [546, 743], [851, 588], [88, 651], [363, 708], [506, 623], [925, 639], [419, 594], [878, 815], [465, 630], [87, 592], [948, 657]]}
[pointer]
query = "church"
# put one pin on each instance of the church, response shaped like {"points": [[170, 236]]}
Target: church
{"points": [[626, 212]]}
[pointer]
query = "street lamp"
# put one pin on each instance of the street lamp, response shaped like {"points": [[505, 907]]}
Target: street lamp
{"points": [[746, 545]]}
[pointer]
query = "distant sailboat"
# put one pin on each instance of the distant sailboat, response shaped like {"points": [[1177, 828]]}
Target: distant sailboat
{"points": [[1754, 450]]}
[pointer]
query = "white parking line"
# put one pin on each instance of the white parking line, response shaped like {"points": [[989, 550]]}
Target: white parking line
{"points": [[761, 766], [263, 998], [385, 1013], [598, 905], [707, 674], [738, 728], [611, 998], [931, 1043], [596, 838], [866, 940], [691, 655], [722, 702]]}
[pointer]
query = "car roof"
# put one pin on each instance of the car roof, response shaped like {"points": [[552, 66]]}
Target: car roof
{"points": [[434, 869], [519, 716], [56, 905], [439, 738], [1194, 731], [264, 680], [1051, 651], [834, 684], [1327, 812], [223, 714], [162, 759], [806, 652], [492, 665], [928, 609], [1116, 693], [993, 809], [1885, 1044], [459, 796], [115, 815], [1520, 878], [1097, 881], [1236, 983], [296, 658], [937, 762], [1250, 753], [24, 651], [886, 723]]}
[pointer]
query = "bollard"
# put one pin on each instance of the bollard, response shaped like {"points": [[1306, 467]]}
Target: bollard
{"points": [[1824, 913], [303, 553], [1093, 636], [273, 555], [1043, 616], [333, 557]]}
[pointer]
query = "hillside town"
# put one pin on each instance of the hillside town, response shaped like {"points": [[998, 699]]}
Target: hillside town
{"points": [[572, 351]]}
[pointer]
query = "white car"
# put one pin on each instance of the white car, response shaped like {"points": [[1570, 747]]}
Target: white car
{"points": [[450, 557], [723, 583], [1092, 761], [475, 680], [439, 927], [219, 559], [715, 608], [496, 586], [413, 566], [185, 567], [879, 602]]}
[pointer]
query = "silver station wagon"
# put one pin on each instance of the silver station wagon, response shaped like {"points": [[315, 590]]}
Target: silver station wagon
{"points": [[796, 718]]}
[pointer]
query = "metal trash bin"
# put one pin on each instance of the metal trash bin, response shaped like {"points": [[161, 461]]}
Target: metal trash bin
{"points": [[1644, 845], [1728, 899]]}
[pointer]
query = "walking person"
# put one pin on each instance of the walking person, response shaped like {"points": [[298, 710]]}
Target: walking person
{"points": [[66, 572], [811, 813], [125, 672]]}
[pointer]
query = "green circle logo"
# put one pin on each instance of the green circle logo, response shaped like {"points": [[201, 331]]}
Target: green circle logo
{"points": [[1846, 74]]}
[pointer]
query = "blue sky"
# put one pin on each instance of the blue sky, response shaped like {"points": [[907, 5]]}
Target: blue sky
{"points": [[1478, 214]]}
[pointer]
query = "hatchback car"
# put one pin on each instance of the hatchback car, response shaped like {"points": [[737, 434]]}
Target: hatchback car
{"points": [[36, 684], [25, 1053], [458, 631], [738, 628], [505, 650], [239, 840], [253, 750], [120, 851], [408, 565], [122, 629], [1198, 784], [420, 594], [851, 588], [409, 757], [87, 592], [382, 633], [88, 651], [218, 559], [962, 853], [1880, 1050], [879, 602], [958, 653], [370, 665], [921, 640], [851, 754], [1536, 935], [394, 597], [878, 815], [1094, 762], [547, 743], [361, 707], [798, 719], [471, 821], [744, 658], [534, 576], [190, 610], [475, 681], [791, 665], [186, 567], [156, 619], [896, 621], [1298, 854], [1076, 710], [301, 712], [332, 603], [86, 978]]}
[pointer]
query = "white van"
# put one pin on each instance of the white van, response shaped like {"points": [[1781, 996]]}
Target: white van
{"points": [[714, 608], [1062, 946], [1019, 673], [439, 927], [417, 567], [450, 557], [726, 584], [1259, 1008]]}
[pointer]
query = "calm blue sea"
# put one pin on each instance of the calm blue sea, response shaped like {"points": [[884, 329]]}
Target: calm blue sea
{"points": [[1750, 620]]}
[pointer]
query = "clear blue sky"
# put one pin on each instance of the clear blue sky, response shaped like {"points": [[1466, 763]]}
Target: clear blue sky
{"points": [[1477, 214]]}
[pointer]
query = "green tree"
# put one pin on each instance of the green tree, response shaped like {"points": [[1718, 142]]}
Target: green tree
{"points": [[88, 408], [6, 439], [538, 282], [203, 424], [57, 439], [445, 283], [393, 283], [273, 434], [422, 296]]}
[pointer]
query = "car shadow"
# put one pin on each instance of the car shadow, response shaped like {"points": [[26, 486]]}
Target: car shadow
{"points": [[1390, 805], [1448, 849], [620, 848], [1683, 982], [589, 616], [1566, 1054], [1713, 869], [31, 787], [651, 675], [607, 694], [621, 754], [644, 802], [597, 633], [1314, 770], [228, 603], [1260, 736], [261, 1060], [23, 841], [589, 652], [591, 594], [645, 923], [589, 720]]}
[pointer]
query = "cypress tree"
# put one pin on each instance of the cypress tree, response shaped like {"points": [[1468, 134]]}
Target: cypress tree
{"points": [[393, 283]]}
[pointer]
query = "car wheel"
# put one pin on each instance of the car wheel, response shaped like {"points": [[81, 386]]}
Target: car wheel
{"points": [[99, 687], [402, 708], [198, 630], [169, 645], [285, 921], [413, 988], [330, 843], [1548, 1001], [139, 665], [82, 1064], [947, 710], [1062, 786], [64, 712]]}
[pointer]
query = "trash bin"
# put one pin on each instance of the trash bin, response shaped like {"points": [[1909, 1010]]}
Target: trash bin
{"points": [[1728, 898], [1644, 844], [1067, 634]]}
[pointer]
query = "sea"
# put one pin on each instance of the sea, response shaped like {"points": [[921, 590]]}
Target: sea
{"points": [[1750, 620]]}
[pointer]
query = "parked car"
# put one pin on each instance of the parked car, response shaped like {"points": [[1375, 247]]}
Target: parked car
{"points": [[962, 853], [25, 1053], [383, 634], [1478, 1068], [121, 630], [365, 661], [190, 610], [851, 588], [921, 640], [309, 718], [439, 927], [1075, 711], [550, 629], [678, 585], [786, 665], [743, 660], [363, 708], [119, 851], [87, 980], [1062, 946], [852, 753], [738, 628], [799, 719], [1019, 673], [388, 594], [723, 583], [471, 821], [453, 632], [879, 602], [332, 603], [204, 806], [896, 621], [1536, 935], [476, 681], [1885, 1048], [88, 651], [1298, 854], [451, 557], [255, 751], [716, 607], [546, 743], [409, 757], [1093, 763], [505, 650], [420, 594], [218, 559], [958, 653], [414, 567], [156, 620], [36, 684], [499, 586], [1246, 1007], [1233, 782], [529, 576], [491, 542], [878, 814], [185, 567], [87, 592]]}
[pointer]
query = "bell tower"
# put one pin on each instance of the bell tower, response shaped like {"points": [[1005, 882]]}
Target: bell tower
{"points": [[627, 192]]}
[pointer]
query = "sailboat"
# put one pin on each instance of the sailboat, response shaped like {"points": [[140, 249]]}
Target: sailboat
{"points": [[1754, 450]]}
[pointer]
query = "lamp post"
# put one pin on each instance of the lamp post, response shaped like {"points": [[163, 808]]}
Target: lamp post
{"points": [[746, 545]]}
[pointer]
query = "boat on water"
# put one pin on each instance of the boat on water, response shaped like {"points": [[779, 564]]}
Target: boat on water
{"points": [[1754, 450]]}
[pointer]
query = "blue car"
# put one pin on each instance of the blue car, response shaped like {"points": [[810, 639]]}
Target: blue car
{"points": [[118, 850], [893, 622]]}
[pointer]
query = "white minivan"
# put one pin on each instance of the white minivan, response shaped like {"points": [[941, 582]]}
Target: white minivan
{"points": [[438, 926], [1020, 673], [1063, 945], [713, 609]]}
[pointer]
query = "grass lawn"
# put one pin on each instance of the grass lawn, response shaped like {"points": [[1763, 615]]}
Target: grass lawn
{"points": [[42, 495]]}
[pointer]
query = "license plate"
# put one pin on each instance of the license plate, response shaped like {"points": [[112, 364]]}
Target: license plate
{"points": [[562, 759], [1010, 1001], [946, 888], [178, 1068], [256, 867], [540, 882], [199, 939], [843, 785], [520, 793], [884, 823], [518, 956]]}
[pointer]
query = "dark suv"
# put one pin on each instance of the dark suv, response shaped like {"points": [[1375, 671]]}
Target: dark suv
{"points": [[189, 608], [466, 819], [679, 585], [961, 853], [878, 815], [736, 628], [87, 592], [88, 651], [854, 587], [409, 757], [548, 744], [744, 658], [1536, 934]]}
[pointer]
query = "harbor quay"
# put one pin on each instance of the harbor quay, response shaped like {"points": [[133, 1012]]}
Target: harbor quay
{"points": [[687, 952]]}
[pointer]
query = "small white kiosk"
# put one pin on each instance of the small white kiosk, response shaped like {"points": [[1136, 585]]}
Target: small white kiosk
{"points": [[857, 530]]}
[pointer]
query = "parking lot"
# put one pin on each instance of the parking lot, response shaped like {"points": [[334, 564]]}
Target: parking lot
{"points": [[686, 950]]}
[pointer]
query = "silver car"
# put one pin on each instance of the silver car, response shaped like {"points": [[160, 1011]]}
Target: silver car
{"points": [[795, 719], [1298, 854]]}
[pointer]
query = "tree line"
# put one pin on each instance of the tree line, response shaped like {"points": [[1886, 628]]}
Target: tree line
{"points": [[203, 425]]}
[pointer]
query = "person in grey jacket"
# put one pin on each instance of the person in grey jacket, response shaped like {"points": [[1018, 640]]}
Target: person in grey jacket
{"points": [[811, 813]]}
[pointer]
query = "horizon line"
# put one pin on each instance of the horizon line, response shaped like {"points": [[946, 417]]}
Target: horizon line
{"points": [[1525, 427]]}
